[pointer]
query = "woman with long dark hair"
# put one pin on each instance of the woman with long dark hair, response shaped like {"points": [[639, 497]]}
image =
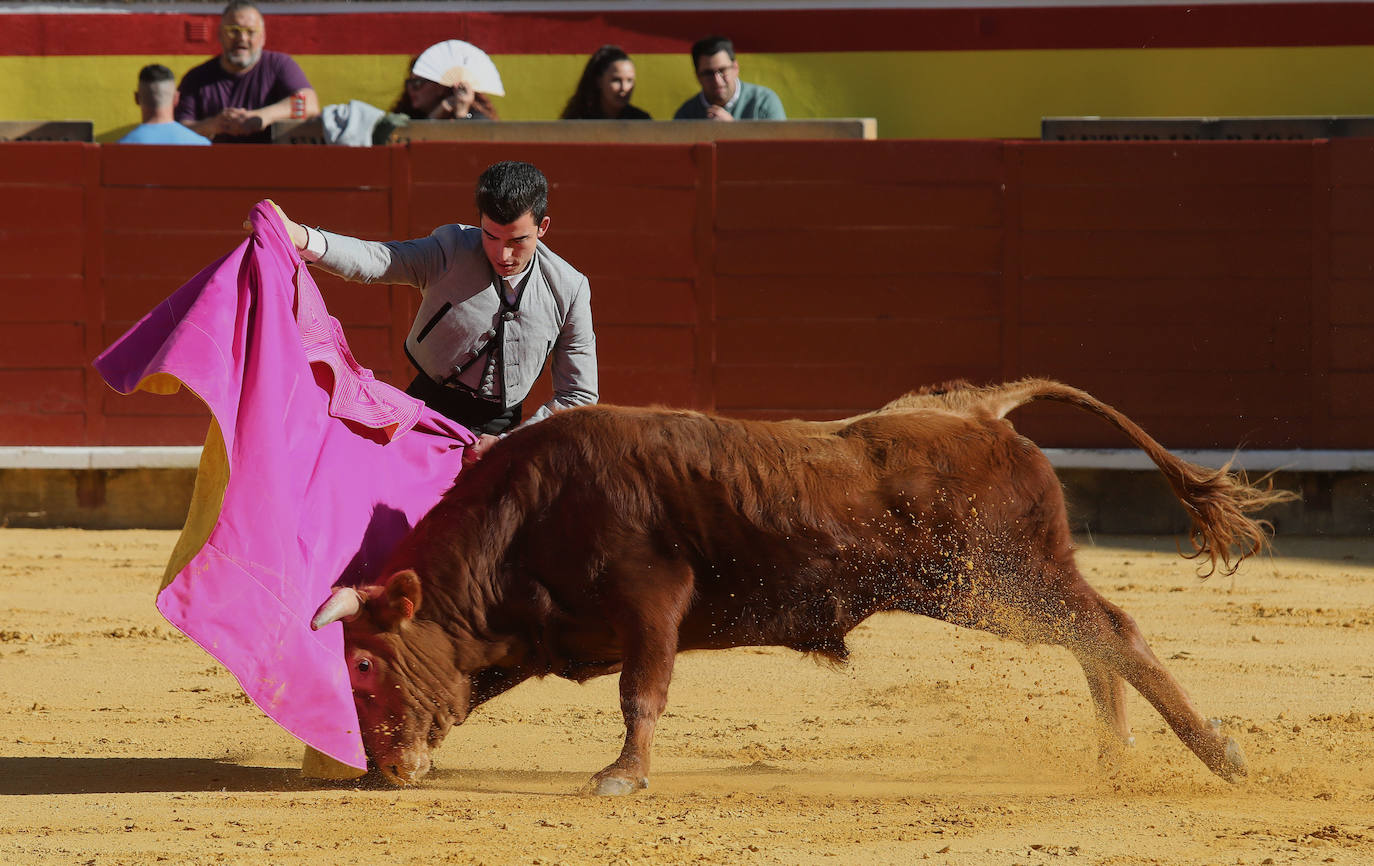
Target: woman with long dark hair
{"points": [[604, 91]]}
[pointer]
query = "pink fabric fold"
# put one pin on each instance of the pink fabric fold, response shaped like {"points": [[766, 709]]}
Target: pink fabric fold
{"points": [[327, 469]]}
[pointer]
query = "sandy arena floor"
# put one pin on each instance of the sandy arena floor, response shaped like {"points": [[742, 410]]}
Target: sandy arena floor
{"points": [[122, 743]]}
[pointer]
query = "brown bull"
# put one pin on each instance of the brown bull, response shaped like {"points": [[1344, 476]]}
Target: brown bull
{"points": [[609, 539]]}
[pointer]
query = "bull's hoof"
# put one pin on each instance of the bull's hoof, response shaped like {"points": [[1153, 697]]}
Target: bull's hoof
{"points": [[1231, 766], [1235, 762], [616, 786]]}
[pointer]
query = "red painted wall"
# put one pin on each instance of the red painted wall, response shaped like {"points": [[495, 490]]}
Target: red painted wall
{"points": [[1219, 293]]}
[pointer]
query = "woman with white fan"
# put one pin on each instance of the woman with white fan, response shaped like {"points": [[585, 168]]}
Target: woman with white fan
{"points": [[451, 80]]}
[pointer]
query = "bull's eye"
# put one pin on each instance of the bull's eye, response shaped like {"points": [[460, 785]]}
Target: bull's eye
{"points": [[364, 665]]}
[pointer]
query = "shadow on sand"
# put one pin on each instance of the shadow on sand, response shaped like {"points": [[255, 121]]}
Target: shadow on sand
{"points": [[140, 775]]}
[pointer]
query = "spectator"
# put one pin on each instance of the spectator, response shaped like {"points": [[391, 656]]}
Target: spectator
{"points": [[723, 96], [604, 90], [238, 95], [450, 81], [157, 97], [496, 305]]}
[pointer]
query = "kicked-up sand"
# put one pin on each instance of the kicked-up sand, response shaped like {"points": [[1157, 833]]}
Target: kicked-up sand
{"points": [[121, 742]]}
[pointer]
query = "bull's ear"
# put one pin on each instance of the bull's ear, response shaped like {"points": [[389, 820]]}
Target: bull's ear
{"points": [[399, 600]]}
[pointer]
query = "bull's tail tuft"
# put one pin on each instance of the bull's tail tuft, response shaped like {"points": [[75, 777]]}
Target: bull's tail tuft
{"points": [[1219, 501]]}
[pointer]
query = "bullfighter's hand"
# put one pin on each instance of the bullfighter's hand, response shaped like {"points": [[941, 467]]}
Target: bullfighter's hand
{"points": [[479, 448], [294, 230], [717, 112]]}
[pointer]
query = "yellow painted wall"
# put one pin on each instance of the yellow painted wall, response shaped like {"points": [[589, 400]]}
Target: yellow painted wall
{"points": [[937, 94]]}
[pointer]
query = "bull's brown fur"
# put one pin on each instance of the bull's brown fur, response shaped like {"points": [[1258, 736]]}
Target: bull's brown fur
{"points": [[607, 539]]}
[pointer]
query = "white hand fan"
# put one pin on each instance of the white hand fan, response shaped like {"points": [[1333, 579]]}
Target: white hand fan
{"points": [[453, 61]]}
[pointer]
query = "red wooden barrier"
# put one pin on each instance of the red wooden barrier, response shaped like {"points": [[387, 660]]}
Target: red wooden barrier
{"points": [[1220, 293]]}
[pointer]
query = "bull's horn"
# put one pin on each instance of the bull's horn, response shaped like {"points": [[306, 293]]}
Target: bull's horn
{"points": [[344, 603]]}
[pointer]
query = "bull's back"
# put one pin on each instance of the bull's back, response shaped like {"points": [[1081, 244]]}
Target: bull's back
{"points": [[793, 534]]}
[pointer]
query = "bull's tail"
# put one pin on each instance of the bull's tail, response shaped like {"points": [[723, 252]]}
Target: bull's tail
{"points": [[1219, 501]]}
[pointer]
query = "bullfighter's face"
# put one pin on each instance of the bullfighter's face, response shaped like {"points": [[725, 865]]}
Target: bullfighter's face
{"points": [[510, 247]]}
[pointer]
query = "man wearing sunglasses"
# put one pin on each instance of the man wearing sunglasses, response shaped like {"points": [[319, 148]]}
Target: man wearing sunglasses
{"points": [[723, 96], [238, 95]]}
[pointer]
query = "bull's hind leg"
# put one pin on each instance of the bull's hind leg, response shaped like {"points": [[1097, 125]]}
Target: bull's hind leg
{"points": [[649, 609], [1106, 639]]}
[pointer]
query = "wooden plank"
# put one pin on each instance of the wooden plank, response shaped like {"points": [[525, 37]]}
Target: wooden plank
{"points": [[1352, 162], [30, 299], [27, 428], [817, 204], [1350, 390], [630, 300], [609, 132], [1352, 349], [1012, 310], [621, 165], [644, 346], [43, 345], [882, 161], [1166, 300], [1168, 164], [841, 388], [1352, 302], [50, 205], [56, 251], [355, 303], [902, 296], [92, 298], [705, 289], [851, 253], [1135, 255], [265, 167], [662, 210], [1352, 256], [1064, 350], [872, 343], [631, 386], [37, 163], [623, 253], [1110, 207], [360, 212], [176, 257], [1352, 209], [41, 391]]}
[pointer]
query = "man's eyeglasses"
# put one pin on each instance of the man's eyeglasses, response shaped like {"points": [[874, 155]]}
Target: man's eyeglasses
{"points": [[723, 72], [415, 81], [233, 31]]}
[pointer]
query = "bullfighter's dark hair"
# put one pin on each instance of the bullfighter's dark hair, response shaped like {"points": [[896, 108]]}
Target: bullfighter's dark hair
{"points": [[508, 190], [709, 46]]}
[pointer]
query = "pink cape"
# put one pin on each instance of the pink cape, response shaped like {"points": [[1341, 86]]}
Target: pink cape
{"points": [[311, 473]]}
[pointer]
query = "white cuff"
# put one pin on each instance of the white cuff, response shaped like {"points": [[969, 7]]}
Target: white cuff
{"points": [[315, 244]]}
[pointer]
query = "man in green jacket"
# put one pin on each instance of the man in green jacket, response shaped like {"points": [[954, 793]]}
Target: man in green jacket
{"points": [[723, 96]]}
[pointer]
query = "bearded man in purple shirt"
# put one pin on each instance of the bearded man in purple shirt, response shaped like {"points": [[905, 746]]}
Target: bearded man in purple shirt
{"points": [[238, 95]]}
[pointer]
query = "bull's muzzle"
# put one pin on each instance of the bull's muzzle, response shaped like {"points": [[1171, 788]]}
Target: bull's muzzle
{"points": [[405, 767]]}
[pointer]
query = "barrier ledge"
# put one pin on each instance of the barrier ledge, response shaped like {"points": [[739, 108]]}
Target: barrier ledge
{"points": [[1129, 459], [601, 131], [107, 457]]}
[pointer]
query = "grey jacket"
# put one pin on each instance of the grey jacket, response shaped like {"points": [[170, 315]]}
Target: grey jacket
{"points": [[450, 267]]}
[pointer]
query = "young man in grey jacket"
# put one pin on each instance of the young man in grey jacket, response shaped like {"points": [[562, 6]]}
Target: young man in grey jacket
{"points": [[496, 305]]}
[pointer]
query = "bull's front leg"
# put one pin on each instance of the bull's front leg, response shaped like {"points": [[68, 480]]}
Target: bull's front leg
{"points": [[649, 638], [643, 695]]}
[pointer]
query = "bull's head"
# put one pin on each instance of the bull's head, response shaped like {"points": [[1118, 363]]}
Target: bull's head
{"points": [[406, 683]]}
